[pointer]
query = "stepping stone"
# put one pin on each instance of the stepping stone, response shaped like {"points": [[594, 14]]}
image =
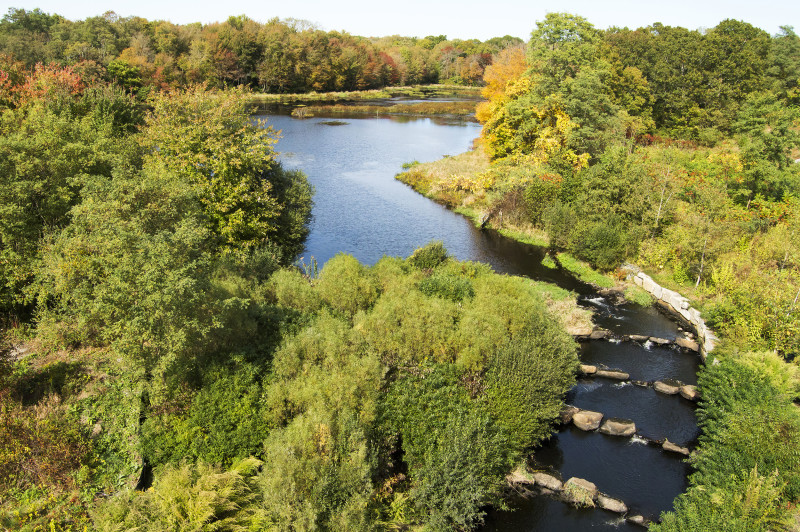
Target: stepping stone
{"points": [[587, 420], [659, 341], [639, 520], [588, 370], [610, 374], [674, 448], [686, 343], [618, 427], [689, 391], [610, 504], [548, 481], [567, 412], [639, 338], [668, 387], [598, 335], [580, 491]]}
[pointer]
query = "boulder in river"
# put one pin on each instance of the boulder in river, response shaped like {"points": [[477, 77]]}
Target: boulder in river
{"points": [[674, 448], [611, 504], [667, 386], [659, 341], [520, 475], [639, 520], [639, 338], [611, 374], [580, 491], [618, 427], [567, 412], [686, 343], [599, 334], [587, 420], [588, 370], [689, 391], [548, 481]]}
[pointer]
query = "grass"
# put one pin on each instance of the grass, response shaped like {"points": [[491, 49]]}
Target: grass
{"points": [[526, 234], [463, 108], [637, 295], [584, 272], [414, 91]]}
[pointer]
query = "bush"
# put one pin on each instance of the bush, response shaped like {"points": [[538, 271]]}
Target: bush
{"points": [[346, 285], [527, 380], [446, 286], [224, 421], [429, 256], [188, 497], [456, 455]]}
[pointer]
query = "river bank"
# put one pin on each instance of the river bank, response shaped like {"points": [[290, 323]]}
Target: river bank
{"points": [[469, 185], [409, 92]]}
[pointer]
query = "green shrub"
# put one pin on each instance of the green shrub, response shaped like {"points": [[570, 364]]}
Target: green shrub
{"points": [[293, 290], [224, 421], [446, 286], [456, 455], [346, 285], [429, 256], [527, 380], [188, 497]]}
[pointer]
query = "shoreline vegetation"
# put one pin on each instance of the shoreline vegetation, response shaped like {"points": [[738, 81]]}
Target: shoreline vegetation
{"points": [[410, 92], [454, 109]]}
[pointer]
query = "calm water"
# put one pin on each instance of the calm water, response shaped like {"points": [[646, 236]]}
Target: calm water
{"points": [[362, 210]]}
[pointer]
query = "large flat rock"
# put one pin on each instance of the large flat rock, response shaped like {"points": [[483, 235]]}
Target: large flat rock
{"points": [[548, 481], [689, 391], [587, 420], [580, 491], [611, 504], [618, 427], [667, 387], [686, 343], [611, 374]]}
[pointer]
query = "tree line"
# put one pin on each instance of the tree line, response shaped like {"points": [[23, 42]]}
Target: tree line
{"points": [[279, 56]]}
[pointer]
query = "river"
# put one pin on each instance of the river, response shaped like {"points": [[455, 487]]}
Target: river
{"points": [[360, 209]]}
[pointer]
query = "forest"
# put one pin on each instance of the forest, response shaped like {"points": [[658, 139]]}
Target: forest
{"points": [[167, 364], [280, 56]]}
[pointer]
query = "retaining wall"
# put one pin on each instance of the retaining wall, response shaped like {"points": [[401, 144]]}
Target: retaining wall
{"points": [[677, 304]]}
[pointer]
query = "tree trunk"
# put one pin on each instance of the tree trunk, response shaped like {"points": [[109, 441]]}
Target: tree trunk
{"points": [[702, 262]]}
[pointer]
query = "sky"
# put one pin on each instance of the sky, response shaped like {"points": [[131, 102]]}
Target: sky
{"points": [[463, 19]]}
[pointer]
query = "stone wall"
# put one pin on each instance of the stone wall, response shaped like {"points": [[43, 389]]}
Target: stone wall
{"points": [[678, 305]]}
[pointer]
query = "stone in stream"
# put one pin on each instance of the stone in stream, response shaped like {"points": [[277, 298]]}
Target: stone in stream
{"points": [[641, 384], [674, 448], [580, 491], [611, 504], [610, 374], [588, 370], [667, 386], [520, 475], [639, 520], [587, 420], [567, 412], [598, 335], [548, 481], [618, 427], [686, 343], [639, 338], [689, 391], [659, 341]]}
